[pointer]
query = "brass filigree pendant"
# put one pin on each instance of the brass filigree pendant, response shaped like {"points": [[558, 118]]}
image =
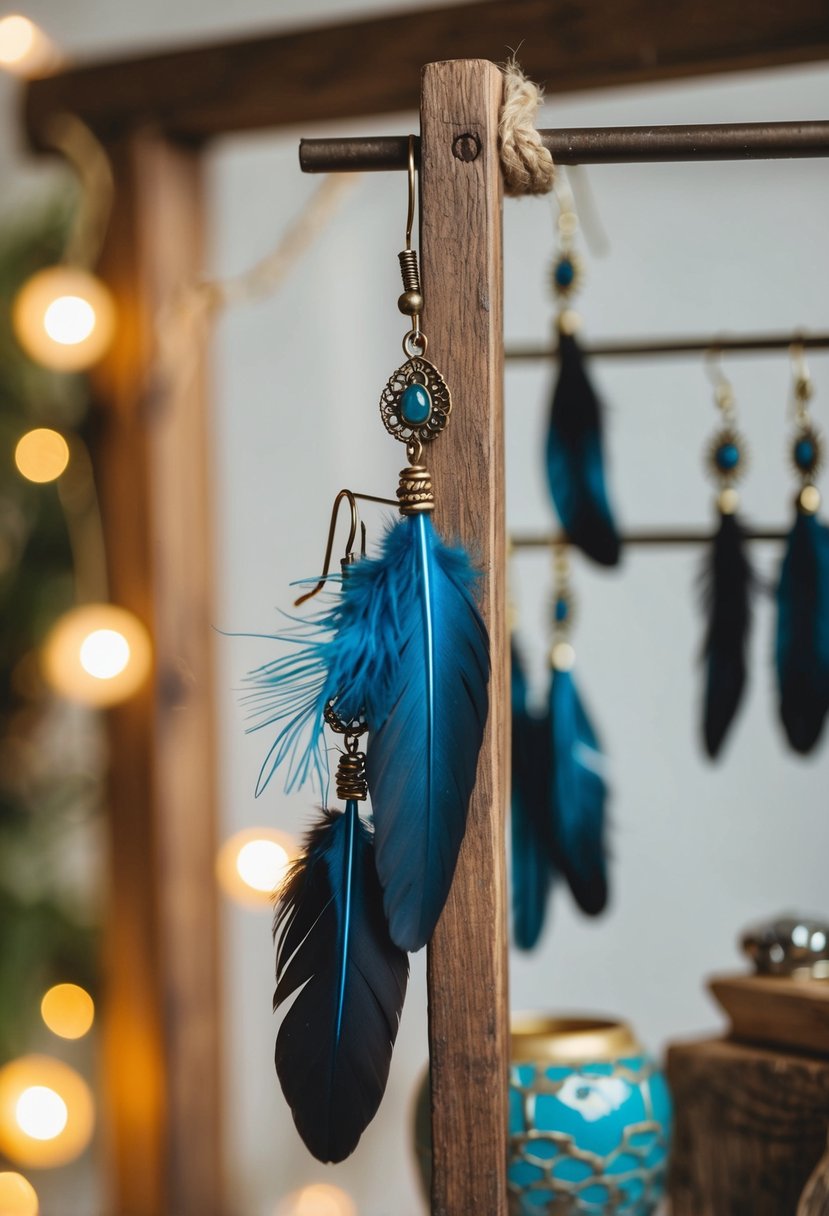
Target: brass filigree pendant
{"points": [[416, 403]]}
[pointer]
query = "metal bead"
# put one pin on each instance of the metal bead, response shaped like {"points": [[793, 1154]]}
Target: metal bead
{"points": [[411, 303]]}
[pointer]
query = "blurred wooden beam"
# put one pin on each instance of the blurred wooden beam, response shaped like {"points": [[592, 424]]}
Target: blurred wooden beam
{"points": [[372, 67], [161, 1016]]}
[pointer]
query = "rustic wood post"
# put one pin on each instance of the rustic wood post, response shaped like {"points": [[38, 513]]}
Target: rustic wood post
{"points": [[461, 202], [161, 1032]]}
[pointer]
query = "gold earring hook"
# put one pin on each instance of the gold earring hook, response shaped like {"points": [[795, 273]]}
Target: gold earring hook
{"points": [[803, 388], [723, 389], [356, 522], [412, 179]]}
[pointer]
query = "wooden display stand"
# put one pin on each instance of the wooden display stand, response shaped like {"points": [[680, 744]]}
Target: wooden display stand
{"points": [[752, 1110], [156, 115]]}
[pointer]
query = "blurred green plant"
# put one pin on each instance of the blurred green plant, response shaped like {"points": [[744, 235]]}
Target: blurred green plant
{"points": [[50, 752]]}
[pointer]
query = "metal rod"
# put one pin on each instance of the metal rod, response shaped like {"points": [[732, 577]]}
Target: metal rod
{"points": [[635, 539], [598, 146], [626, 349]]}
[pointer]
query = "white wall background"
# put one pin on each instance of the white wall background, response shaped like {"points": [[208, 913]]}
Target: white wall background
{"points": [[699, 850]]}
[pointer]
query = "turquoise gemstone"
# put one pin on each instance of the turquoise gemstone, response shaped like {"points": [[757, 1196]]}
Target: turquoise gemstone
{"points": [[562, 609], [565, 273], [415, 404], [804, 455], [727, 457]]}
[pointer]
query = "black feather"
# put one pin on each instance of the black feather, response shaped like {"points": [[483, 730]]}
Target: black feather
{"points": [[727, 589], [575, 460], [334, 1046], [803, 632]]}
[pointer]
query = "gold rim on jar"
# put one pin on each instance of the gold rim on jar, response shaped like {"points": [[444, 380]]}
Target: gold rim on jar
{"points": [[569, 1040]]}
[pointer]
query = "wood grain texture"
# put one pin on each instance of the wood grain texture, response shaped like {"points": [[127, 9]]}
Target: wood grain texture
{"points": [[461, 204], [750, 1126], [776, 1010], [161, 1032], [815, 1198], [373, 66]]}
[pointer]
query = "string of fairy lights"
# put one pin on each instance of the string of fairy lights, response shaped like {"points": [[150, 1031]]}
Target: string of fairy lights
{"points": [[97, 653]]}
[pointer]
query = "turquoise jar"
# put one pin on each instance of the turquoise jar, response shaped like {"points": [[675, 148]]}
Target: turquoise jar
{"points": [[589, 1120]]}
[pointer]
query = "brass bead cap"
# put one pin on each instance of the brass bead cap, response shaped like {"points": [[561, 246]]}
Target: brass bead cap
{"points": [[414, 490], [351, 777]]}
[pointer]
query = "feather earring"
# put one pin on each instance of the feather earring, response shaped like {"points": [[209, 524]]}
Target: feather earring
{"points": [[335, 956], [802, 645], [532, 868], [575, 445], [727, 581], [403, 647], [577, 790]]}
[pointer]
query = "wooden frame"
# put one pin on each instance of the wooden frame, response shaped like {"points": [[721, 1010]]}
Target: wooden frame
{"points": [[154, 114]]}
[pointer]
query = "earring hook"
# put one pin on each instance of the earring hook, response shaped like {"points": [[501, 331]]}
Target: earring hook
{"points": [[723, 390], [803, 388], [356, 522], [412, 179]]}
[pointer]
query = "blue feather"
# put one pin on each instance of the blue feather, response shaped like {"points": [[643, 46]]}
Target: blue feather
{"points": [[575, 461], [802, 645], [345, 654], [427, 724], [335, 1043], [578, 795], [532, 870]]}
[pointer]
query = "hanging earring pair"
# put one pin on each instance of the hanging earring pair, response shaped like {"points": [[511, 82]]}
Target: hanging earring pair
{"points": [[575, 444], [559, 792], [802, 643], [727, 578], [398, 656]]}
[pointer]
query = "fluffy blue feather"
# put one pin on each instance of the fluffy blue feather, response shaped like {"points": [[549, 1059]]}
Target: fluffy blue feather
{"points": [[335, 1043], [575, 460], [578, 796], [532, 870], [347, 654], [802, 646], [427, 727]]}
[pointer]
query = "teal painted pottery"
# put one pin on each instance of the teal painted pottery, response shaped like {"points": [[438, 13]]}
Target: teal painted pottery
{"points": [[589, 1120]]}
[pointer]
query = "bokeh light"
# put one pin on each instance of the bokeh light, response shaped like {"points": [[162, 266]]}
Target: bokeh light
{"points": [[68, 1010], [97, 654], [25, 50], [41, 455], [46, 1112], [252, 863], [17, 1195], [319, 1199], [64, 318]]}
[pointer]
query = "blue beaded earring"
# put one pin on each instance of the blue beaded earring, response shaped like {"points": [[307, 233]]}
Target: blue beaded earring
{"points": [[802, 647], [575, 445], [727, 576]]}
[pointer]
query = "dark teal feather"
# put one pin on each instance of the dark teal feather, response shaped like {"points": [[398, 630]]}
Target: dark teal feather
{"points": [[802, 645], [532, 869], [333, 950], [726, 597], [578, 796], [575, 459], [425, 737]]}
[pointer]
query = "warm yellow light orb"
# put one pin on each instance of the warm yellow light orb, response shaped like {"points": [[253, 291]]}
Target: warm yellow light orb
{"points": [[252, 863], [25, 50], [68, 1011], [41, 1112], [41, 455], [46, 1112], [17, 1195], [64, 318], [319, 1199], [97, 654]]}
